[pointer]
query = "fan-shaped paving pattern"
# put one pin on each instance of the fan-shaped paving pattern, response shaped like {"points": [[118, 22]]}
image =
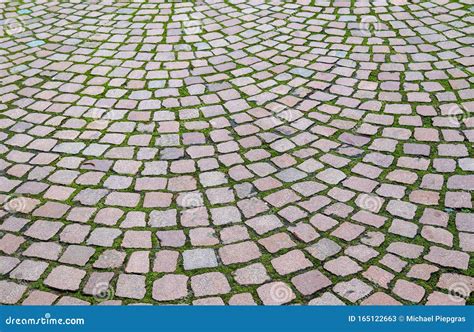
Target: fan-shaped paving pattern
{"points": [[236, 152]]}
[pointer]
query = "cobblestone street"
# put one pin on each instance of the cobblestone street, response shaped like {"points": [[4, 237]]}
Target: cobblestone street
{"points": [[237, 152]]}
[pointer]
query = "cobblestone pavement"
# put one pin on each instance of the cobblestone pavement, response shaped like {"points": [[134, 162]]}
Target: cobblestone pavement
{"points": [[237, 152]]}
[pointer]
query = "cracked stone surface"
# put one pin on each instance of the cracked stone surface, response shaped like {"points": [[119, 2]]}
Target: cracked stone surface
{"points": [[237, 152]]}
